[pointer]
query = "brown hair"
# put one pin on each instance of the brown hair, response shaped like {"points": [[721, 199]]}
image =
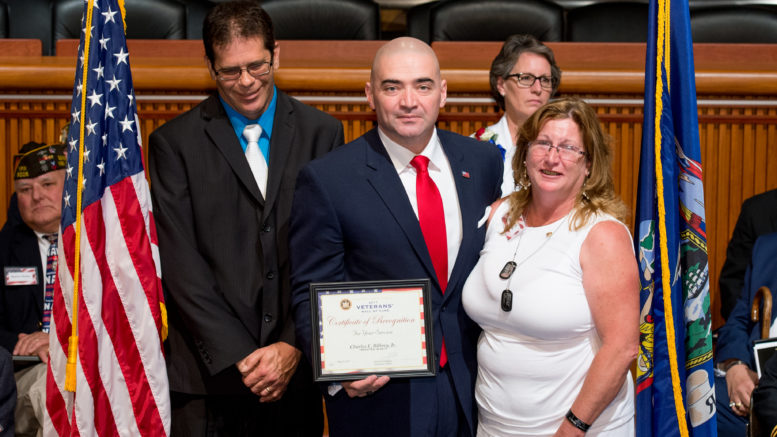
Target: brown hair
{"points": [[512, 49], [598, 192], [236, 19]]}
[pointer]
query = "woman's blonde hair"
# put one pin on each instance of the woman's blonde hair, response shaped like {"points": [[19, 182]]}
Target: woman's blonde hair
{"points": [[598, 191]]}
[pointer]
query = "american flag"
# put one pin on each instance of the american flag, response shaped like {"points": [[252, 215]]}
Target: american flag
{"points": [[121, 385]]}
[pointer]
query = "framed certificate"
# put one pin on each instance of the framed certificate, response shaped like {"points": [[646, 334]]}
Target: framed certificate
{"points": [[373, 327]]}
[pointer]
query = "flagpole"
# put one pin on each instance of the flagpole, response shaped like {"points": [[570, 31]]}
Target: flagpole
{"points": [[72, 343]]}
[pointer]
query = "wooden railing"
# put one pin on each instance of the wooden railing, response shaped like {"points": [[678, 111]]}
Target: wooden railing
{"points": [[736, 89]]}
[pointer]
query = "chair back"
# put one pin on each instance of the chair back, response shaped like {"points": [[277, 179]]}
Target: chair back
{"points": [[734, 24], [146, 19], [324, 19], [495, 20], [608, 22], [3, 20]]}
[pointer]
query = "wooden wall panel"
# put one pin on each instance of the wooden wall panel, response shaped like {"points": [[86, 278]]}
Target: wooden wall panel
{"points": [[737, 120]]}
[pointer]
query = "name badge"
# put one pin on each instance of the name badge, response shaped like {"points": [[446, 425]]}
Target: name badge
{"points": [[21, 276]]}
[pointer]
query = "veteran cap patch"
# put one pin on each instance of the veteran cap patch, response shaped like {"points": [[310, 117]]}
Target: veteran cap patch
{"points": [[35, 159]]}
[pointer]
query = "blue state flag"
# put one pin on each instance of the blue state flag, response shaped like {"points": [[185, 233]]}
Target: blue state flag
{"points": [[675, 381]]}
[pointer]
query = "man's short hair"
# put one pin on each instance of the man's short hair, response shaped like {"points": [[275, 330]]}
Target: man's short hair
{"points": [[35, 159], [236, 19]]}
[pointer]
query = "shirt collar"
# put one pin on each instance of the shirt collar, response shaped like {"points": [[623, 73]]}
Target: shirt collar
{"points": [[239, 121], [401, 157]]}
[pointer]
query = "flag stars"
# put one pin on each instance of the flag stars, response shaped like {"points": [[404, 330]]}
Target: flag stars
{"points": [[121, 152], [73, 144], [121, 56], [126, 124], [99, 70], [90, 128], [109, 15], [105, 139], [114, 83], [104, 43], [79, 87], [101, 166], [74, 116], [94, 98], [69, 171], [67, 199], [86, 155], [109, 111]]}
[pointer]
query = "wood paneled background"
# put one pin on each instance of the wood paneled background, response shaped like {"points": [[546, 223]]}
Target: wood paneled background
{"points": [[736, 90]]}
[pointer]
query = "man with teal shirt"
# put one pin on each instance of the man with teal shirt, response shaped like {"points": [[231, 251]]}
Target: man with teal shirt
{"points": [[222, 180]]}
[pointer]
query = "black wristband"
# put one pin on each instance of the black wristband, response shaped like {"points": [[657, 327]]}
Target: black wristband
{"points": [[574, 420]]}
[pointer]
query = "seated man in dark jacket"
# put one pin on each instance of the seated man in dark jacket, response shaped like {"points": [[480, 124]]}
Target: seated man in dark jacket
{"points": [[735, 343], [28, 257]]}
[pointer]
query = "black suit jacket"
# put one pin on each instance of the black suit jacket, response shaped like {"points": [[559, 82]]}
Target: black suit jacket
{"points": [[21, 306], [223, 248], [352, 221], [7, 394], [765, 398], [757, 217]]}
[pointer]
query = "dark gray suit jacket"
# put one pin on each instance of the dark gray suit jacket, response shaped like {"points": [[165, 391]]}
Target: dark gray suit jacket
{"points": [[224, 249]]}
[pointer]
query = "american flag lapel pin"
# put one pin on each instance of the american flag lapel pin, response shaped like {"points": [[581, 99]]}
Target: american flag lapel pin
{"points": [[465, 174]]}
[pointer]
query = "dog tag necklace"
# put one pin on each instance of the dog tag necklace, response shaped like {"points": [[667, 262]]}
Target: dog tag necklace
{"points": [[506, 301]]}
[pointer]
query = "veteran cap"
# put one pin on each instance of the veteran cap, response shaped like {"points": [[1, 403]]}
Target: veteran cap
{"points": [[35, 159]]}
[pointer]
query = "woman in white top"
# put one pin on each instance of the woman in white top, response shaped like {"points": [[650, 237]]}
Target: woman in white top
{"points": [[523, 77], [556, 288]]}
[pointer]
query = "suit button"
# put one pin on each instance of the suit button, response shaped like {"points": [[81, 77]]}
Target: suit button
{"points": [[267, 228], [444, 308], [268, 318], [270, 275]]}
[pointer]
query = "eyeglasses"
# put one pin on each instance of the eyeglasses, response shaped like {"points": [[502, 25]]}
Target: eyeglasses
{"points": [[255, 69], [526, 80], [566, 152]]}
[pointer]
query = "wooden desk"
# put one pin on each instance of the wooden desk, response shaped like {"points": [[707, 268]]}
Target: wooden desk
{"points": [[736, 89]]}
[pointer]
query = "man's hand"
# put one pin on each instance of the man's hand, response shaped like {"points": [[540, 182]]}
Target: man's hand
{"points": [[740, 382], [365, 387], [267, 371], [36, 343]]}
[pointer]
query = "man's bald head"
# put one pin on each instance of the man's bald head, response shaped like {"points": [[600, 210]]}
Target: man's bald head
{"points": [[402, 46], [406, 92]]}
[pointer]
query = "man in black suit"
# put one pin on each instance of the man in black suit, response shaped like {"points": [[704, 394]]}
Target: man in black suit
{"points": [[757, 217], [368, 211], [28, 248], [222, 180]]}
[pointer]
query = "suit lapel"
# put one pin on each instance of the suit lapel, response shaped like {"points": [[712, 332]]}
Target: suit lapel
{"points": [[280, 147], [222, 134], [467, 205], [385, 180]]}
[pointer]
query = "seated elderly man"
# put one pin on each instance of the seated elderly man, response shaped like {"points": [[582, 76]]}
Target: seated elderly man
{"points": [[28, 253], [735, 354]]}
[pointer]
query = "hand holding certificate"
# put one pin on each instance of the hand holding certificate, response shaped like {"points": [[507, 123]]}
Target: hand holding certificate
{"points": [[377, 327]]}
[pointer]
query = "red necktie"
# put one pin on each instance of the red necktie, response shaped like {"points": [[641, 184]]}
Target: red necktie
{"points": [[432, 219]]}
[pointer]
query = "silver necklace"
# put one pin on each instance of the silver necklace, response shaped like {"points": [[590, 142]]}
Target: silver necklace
{"points": [[506, 302]]}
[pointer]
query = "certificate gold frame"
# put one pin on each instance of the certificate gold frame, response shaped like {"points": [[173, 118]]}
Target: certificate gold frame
{"points": [[371, 328]]}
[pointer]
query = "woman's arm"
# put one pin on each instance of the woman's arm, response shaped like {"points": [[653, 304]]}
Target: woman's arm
{"points": [[611, 283]]}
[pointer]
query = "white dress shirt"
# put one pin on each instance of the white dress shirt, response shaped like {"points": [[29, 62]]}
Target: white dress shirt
{"points": [[442, 175]]}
